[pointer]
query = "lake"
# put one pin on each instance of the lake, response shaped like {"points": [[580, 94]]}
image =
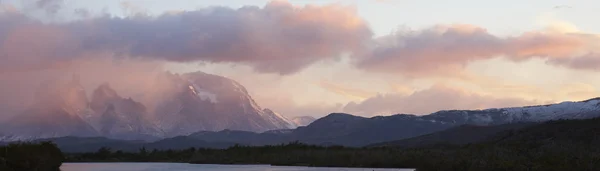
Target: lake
{"points": [[198, 167]]}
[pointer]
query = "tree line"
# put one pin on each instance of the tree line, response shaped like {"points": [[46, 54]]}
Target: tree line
{"points": [[555, 145], [489, 157]]}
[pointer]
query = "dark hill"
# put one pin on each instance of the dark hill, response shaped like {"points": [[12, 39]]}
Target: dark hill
{"points": [[461, 135]]}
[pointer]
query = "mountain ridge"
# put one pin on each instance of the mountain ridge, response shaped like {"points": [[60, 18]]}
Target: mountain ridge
{"points": [[349, 130], [185, 104], [355, 131]]}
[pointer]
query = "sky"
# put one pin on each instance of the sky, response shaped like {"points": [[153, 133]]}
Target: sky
{"points": [[314, 57]]}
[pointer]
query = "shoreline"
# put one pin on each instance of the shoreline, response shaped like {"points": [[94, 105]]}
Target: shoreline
{"points": [[238, 164], [331, 167]]}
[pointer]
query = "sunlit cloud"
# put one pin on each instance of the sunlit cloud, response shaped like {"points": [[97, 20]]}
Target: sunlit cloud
{"points": [[277, 38], [286, 55], [438, 97], [448, 49]]}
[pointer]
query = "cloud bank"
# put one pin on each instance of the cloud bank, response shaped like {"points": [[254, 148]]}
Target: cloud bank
{"points": [[436, 98], [277, 38], [446, 49]]}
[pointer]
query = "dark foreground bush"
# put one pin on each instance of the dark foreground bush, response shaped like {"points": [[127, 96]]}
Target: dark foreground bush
{"points": [[43, 156]]}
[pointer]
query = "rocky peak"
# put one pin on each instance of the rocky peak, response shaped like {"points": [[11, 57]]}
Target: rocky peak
{"points": [[102, 96], [204, 102], [105, 90]]}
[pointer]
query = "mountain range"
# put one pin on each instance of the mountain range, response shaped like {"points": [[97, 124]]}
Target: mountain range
{"points": [[175, 105], [200, 107], [349, 130], [444, 127]]}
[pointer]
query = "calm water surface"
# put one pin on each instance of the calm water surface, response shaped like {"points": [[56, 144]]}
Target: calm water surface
{"points": [[198, 167]]}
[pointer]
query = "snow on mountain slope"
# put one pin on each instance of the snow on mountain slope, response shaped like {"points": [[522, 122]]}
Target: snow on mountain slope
{"points": [[204, 94], [121, 118], [177, 105], [198, 101], [278, 120], [188, 103], [565, 110]]}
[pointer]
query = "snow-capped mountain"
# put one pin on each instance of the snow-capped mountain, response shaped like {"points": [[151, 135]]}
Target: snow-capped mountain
{"points": [[188, 103], [349, 130], [303, 120], [278, 120], [176, 105], [565, 110], [121, 118], [199, 101]]}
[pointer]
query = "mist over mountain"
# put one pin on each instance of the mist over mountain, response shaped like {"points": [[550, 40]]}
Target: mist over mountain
{"points": [[303, 120], [216, 109], [119, 117], [200, 101], [58, 110], [175, 105]]}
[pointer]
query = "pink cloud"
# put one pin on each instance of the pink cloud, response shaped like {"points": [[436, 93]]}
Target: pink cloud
{"points": [[436, 98], [277, 38], [447, 49], [590, 61]]}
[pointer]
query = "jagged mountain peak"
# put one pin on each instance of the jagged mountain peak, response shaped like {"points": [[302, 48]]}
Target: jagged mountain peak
{"points": [[174, 105], [105, 89], [199, 101], [119, 117], [102, 97]]}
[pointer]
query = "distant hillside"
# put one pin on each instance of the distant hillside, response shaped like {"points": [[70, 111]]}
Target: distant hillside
{"points": [[553, 145], [355, 131], [550, 132], [576, 132], [461, 135], [549, 146], [348, 130], [334, 129]]}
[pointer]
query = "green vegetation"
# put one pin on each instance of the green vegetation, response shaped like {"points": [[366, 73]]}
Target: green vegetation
{"points": [[556, 145], [43, 156]]}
